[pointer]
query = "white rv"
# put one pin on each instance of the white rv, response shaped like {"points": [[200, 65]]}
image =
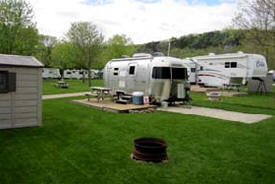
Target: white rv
{"points": [[72, 74], [51, 73], [193, 67], [272, 72], [75, 74], [162, 78], [78, 74], [226, 69]]}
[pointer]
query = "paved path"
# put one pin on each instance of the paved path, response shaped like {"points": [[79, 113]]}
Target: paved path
{"points": [[45, 97], [219, 114]]}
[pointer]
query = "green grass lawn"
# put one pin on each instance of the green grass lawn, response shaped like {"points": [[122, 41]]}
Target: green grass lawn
{"points": [[77, 144], [74, 86]]}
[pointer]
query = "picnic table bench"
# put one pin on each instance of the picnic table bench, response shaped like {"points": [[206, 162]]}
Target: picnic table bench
{"points": [[232, 86], [214, 96], [61, 84], [99, 92]]}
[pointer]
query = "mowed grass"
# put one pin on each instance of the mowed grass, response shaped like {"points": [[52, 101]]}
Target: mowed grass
{"points": [[77, 144], [74, 86]]}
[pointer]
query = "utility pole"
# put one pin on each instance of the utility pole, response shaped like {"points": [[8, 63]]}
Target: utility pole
{"points": [[169, 47]]}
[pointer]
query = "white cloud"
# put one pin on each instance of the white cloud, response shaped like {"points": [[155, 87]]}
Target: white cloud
{"points": [[141, 21]]}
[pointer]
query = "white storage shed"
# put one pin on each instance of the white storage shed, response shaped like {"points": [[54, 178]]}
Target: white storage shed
{"points": [[20, 91]]}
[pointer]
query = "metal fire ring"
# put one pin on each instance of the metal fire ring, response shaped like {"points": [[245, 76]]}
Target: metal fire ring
{"points": [[150, 150]]}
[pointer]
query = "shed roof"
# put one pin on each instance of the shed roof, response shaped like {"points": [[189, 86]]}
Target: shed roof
{"points": [[15, 60]]}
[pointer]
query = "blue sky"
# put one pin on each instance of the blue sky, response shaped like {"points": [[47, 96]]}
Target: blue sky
{"points": [[207, 2]]}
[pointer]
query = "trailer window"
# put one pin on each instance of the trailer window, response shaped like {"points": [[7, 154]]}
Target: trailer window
{"points": [[193, 70], [230, 64], [161, 73], [227, 65], [233, 64], [179, 73], [132, 70], [4, 82]]}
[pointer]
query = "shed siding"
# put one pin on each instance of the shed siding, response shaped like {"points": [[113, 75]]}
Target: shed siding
{"points": [[26, 77], [4, 103], [5, 96], [23, 107], [5, 110], [24, 84], [26, 97], [28, 90], [5, 124], [39, 96], [5, 116]]}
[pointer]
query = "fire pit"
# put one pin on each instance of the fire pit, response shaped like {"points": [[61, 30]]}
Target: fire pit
{"points": [[150, 150]]}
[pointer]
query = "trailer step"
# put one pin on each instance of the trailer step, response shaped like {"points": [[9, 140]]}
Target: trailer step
{"points": [[126, 97], [121, 101]]}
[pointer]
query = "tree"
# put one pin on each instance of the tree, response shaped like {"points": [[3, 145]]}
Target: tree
{"points": [[46, 47], [64, 56], [18, 34], [88, 39], [257, 17], [26, 42], [118, 46]]}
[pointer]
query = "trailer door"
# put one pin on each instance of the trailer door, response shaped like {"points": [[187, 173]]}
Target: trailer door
{"points": [[132, 77], [179, 76], [142, 77], [114, 72]]}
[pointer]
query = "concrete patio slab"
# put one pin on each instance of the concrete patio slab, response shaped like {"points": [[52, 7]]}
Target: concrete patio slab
{"points": [[219, 114]]}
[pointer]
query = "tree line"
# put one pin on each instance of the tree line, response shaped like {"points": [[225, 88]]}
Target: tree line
{"points": [[225, 41], [252, 31], [84, 46]]}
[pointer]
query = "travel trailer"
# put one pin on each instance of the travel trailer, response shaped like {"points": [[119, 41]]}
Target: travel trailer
{"points": [[161, 78], [192, 74], [74, 74], [51, 73], [78, 74], [272, 72], [226, 69], [97, 74]]}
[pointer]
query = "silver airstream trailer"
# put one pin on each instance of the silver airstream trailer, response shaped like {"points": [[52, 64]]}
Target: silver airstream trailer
{"points": [[160, 77]]}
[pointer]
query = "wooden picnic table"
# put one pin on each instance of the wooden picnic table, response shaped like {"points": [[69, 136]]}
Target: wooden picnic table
{"points": [[62, 84], [101, 92], [232, 86]]}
